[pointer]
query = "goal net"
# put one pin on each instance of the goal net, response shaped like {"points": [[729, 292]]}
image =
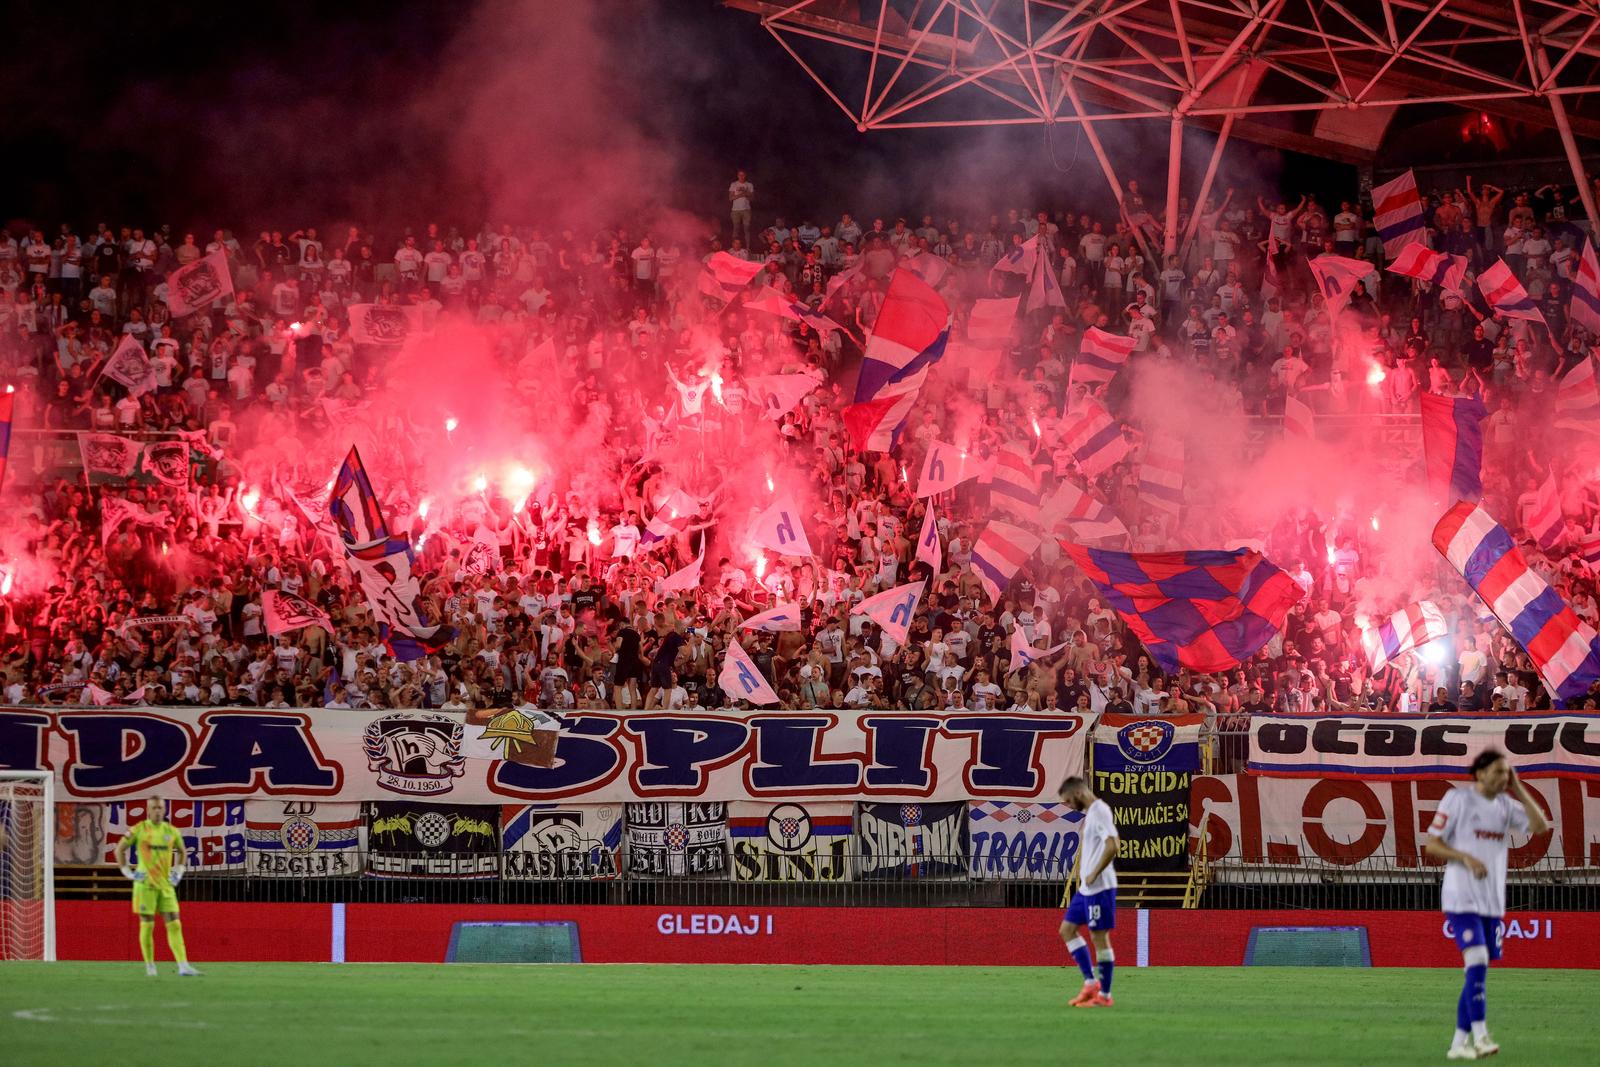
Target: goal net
{"points": [[27, 883]]}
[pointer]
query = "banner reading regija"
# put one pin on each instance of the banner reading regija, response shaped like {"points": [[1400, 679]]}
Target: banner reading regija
{"points": [[1143, 768]]}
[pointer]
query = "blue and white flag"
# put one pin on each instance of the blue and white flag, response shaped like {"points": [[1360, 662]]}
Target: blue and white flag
{"points": [[742, 680], [785, 618], [779, 528], [893, 609]]}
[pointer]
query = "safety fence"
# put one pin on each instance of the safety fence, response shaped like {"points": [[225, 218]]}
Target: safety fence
{"points": [[1385, 882]]}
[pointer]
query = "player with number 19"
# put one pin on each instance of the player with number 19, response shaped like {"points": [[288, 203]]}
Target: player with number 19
{"points": [[1094, 906], [1471, 833]]}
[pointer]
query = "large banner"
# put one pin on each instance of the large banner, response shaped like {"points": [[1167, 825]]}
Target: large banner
{"points": [[411, 840], [1142, 768], [670, 839], [901, 841], [1025, 841], [1289, 822], [790, 842], [1421, 746], [601, 757], [575, 842], [304, 839], [213, 831]]}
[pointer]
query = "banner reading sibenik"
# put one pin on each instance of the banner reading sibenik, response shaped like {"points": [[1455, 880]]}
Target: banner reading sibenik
{"points": [[1143, 768]]}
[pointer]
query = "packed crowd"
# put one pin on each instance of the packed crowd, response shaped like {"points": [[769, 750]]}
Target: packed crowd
{"points": [[569, 614]]}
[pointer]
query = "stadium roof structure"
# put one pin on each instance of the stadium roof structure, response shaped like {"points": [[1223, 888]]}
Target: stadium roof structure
{"points": [[1322, 77]]}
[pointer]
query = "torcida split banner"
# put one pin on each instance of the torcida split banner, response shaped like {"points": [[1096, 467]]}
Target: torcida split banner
{"points": [[601, 757], [1422, 746]]}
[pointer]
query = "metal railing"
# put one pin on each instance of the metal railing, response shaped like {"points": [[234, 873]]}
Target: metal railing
{"points": [[1385, 882]]}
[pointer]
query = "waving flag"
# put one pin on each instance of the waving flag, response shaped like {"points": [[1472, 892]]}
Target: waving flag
{"points": [[1298, 419], [1337, 277], [929, 550], [129, 367], [997, 555], [1016, 484], [382, 565], [1409, 628], [1397, 213], [943, 468], [199, 285], [1586, 291], [1088, 517], [1452, 440], [908, 337], [1545, 522], [1161, 471], [785, 618], [1100, 356], [1589, 549], [8, 401], [779, 529], [1505, 294], [354, 506], [1095, 439], [990, 322], [773, 302], [1578, 399], [777, 394], [893, 609], [1044, 288], [1019, 259], [1024, 654], [1204, 610], [1565, 650], [685, 578], [1437, 268], [285, 611], [929, 267], [741, 679], [674, 514], [725, 276]]}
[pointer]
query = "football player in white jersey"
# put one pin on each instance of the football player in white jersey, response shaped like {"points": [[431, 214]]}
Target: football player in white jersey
{"points": [[1472, 833], [1093, 908]]}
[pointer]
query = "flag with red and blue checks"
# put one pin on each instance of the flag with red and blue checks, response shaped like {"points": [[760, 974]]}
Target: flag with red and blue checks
{"points": [[1564, 649], [1206, 610]]}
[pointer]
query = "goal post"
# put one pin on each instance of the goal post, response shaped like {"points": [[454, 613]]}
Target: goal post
{"points": [[27, 865]]}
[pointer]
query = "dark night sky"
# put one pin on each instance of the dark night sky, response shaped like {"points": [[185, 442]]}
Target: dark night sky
{"points": [[388, 113]]}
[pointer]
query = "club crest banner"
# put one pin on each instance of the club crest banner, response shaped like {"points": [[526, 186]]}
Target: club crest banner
{"points": [[904, 841], [1143, 768], [670, 839], [304, 839], [568, 842], [790, 842], [406, 839]]}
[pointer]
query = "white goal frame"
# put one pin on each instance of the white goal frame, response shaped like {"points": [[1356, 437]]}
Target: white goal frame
{"points": [[48, 779]]}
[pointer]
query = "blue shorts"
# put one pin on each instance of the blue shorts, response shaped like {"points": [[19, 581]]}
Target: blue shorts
{"points": [[1097, 911], [1472, 931]]}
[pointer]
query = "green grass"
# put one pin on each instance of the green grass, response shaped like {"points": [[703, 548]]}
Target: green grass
{"points": [[292, 1014]]}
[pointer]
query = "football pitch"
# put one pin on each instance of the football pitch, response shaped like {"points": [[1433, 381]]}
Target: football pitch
{"points": [[293, 1014]]}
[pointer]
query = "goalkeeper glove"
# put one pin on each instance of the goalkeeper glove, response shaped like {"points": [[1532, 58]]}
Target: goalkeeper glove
{"points": [[175, 875], [132, 875]]}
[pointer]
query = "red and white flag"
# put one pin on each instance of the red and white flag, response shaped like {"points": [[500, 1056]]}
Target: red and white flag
{"points": [[286, 611], [1409, 628], [1298, 421], [725, 276], [1437, 268], [990, 322], [1100, 356], [1095, 439], [1545, 522]]}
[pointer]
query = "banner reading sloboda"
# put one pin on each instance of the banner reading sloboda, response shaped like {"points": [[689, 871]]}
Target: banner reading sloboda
{"points": [[601, 757]]}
